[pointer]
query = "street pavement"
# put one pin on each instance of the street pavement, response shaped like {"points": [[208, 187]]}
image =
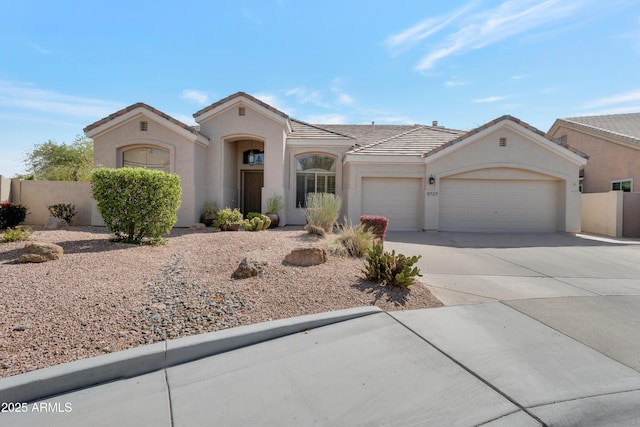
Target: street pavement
{"points": [[538, 330]]}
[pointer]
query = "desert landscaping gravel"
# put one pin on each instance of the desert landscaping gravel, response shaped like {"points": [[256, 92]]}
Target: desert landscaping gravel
{"points": [[103, 296]]}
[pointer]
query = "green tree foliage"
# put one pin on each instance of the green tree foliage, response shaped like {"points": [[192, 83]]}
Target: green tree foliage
{"points": [[61, 162], [137, 205]]}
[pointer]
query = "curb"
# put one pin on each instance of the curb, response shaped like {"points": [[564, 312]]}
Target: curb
{"points": [[79, 374]]}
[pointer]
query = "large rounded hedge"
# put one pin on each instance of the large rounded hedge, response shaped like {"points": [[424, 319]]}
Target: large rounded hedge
{"points": [[137, 204]]}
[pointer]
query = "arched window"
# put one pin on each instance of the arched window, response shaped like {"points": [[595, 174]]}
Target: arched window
{"points": [[146, 157], [315, 173]]}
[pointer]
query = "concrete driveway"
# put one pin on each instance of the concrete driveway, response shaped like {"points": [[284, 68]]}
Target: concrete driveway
{"points": [[464, 268]]}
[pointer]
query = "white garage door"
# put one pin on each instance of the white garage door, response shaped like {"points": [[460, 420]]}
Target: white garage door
{"points": [[498, 206], [394, 198]]}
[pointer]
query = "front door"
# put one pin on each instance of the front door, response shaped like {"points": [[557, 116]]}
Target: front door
{"points": [[252, 191]]}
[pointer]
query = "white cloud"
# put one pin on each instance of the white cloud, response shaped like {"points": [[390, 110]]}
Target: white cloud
{"points": [[184, 118], [38, 48], [195, 95], [620, 98], [511, 18], [455, 83], [345, 99], [489, 99], [18, 95], [411, 36], [273, 101], [306, 96], [327, 119]]}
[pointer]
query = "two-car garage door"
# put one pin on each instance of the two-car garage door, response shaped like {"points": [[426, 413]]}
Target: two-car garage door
{"points": [[498, 205], [472, 205]]}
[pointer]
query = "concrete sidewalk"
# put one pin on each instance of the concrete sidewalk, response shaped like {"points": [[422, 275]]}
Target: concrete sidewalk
{"points": [[484, 364]]}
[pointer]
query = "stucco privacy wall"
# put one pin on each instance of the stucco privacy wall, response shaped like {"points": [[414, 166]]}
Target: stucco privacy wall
{"points": [[5, 189], [609, 159], [185, 158], [524, 151], [36, 196], [602, 213]]}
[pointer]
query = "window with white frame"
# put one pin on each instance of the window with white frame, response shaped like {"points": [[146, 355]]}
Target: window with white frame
{"points": [[625, 185], [315, 173], [146, 157]]}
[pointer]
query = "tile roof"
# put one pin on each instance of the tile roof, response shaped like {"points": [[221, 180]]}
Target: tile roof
{"points": [[369, 133], [417, 140], [496, 121], [624, 126], [237, 95], [193, 129], [300, 129]]}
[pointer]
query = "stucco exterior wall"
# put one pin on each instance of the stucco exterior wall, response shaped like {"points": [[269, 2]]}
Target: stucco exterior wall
{"points": [[520, 154], [602, 213], [37, 195], [109, 146], [5, 189], [608, 160], [227, 127]]}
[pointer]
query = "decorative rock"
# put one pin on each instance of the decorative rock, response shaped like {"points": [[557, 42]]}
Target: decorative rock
{"points": [[198, 226], [306, 257], [249, 267], [56, 224], [40, 252]]}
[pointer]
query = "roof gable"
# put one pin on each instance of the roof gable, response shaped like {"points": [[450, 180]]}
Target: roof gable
{"points": [[243, 99], [131, 111], [516, 124], [624, 127]]}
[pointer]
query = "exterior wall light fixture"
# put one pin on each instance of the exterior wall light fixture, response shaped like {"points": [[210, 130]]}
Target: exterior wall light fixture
{"points": [[432, 180]]}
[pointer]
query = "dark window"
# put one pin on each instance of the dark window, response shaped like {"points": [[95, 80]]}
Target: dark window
{"points": [[257, 159]]}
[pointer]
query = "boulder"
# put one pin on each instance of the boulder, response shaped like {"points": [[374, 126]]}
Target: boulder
{"points": [[40, 252], [198, 226], [305, 257], [249, 267], [56, 224]]}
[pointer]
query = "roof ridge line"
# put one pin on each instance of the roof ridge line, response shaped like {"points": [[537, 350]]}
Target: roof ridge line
{"points": [[321, 128]]}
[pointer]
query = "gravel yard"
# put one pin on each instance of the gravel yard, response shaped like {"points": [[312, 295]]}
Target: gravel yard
{"points": [[103, 296]]}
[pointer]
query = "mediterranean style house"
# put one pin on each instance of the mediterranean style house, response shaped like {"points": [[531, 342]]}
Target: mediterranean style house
{"points": [[613, 145], [503, 176]]}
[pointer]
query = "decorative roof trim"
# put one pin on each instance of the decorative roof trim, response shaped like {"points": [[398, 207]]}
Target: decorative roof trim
{"points": [[510, 118], [238, 95]]}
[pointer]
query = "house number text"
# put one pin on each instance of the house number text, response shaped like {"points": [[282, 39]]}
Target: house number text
{"points": [[432, 193]]}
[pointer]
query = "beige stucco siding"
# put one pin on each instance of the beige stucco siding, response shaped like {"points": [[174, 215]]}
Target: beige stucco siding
{"points": [[608, 159], [109, 146]]}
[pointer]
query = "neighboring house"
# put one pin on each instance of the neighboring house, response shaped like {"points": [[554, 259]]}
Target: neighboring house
{"points": [[612, 143], [503, 176]]}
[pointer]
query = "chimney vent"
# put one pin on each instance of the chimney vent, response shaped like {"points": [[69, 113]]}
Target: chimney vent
{"points": [[434, 123], [373, 126]]}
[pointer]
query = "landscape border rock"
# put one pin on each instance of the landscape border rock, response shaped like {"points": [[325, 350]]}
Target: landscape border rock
{"points": [[40, 252], [56, 224], [249, 267], [306, 257]]}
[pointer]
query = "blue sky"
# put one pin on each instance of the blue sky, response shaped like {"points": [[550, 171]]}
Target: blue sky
{"points": [[66, 64]]}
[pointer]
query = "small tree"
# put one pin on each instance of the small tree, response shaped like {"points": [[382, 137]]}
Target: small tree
{"points": [[137, 204], [61, 162]]}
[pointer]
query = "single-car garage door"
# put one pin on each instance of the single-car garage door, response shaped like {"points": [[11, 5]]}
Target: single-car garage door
{"points": [[395, 198], [487, 205]]}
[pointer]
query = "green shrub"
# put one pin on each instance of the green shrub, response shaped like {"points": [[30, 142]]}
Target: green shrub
{"points": [[227, 216], [389, 268], [354, 241], [11, 214], [15, 234], [257, 223], [137, 205], [322, 212], [62, 211]]}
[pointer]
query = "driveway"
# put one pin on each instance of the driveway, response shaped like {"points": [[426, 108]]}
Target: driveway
{"points": [[463, 268]]}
